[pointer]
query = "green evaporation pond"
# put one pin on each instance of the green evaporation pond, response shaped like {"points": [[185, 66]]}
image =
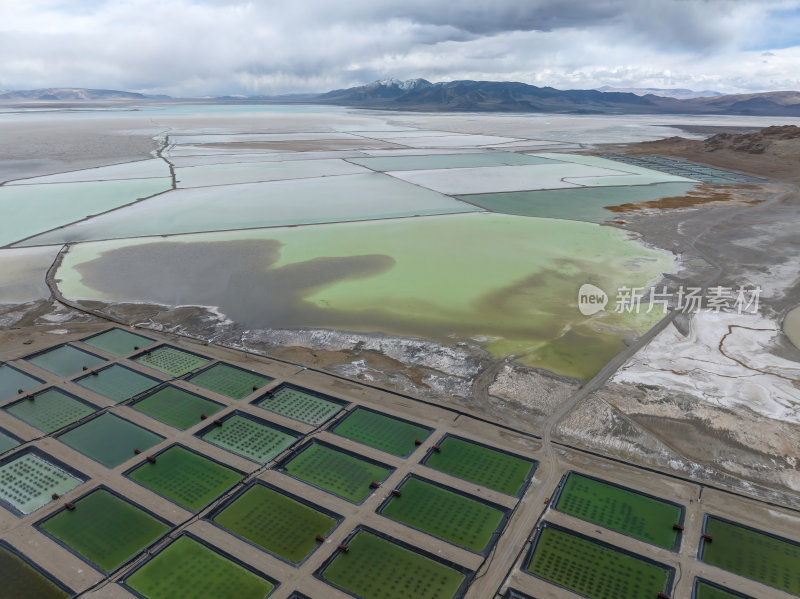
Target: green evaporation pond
{"points": [[444, 514], [706, 591], [12, 380], [753, 554], [435, 161], [594, 570], [335, 471], [7, 442], [65, 360], [109, 439], [230, 381], [381, 431], [619, 509], [375, 568], [28, 482], [176, 407], [172, 361], [50, 410], [117, 382], [275, 522], [118, 341], [23, 581], [298, 405], [187, 568], [188, 479], [105, 529], [248, 438], [481, 465]]}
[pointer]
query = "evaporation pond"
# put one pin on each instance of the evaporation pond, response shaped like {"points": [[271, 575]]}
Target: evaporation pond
{"points": [[623, 510], [703, 590], [481, 465], [753, 554], [118, 341], [117, 382], [65, 360], [13, 380], [7, 442], [105, 529], [171, 360], [22, 581], [335, 471], [187, 478], [436, 161], [594, 570], [300, 404], [276, 522], [376, 568], [229, 380], [381, 431], [249, 438], [109, 439], [176, 407], [28, 481], [50, 410], [446, 514], [188, 568]]}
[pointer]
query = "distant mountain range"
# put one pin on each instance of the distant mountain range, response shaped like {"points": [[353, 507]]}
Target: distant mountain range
{"points": [[483, 96], [681, 94]]}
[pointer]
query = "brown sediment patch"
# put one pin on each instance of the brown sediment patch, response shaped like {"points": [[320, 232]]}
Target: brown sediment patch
{"points": [[703, 194]]}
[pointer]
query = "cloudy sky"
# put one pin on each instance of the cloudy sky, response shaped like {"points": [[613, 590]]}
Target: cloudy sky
{"points": [[213, 47]]}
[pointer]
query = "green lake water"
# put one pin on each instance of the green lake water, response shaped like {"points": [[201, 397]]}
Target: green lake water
{"points": [[23, 581], [177, 407], [109, 439], [381, 431]]}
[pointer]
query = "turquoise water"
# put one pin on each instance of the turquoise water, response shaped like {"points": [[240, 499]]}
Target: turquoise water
{"points": [[12, 380]]}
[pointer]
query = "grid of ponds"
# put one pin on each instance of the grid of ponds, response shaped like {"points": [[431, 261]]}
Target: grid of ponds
{"points": [[335, 470], [22, 580], [469, 522], [14, 381], [249, 437], [482, 465], [303, 405], [230, 380], [751, 553], [682, 168], [276, 522], [177, 407], [104, 529], [621, 509], [594, 569], [375, 567], [381, 431], [109, 439], [171, 360], [117, 382], [185, 477], [65, 360], [29, 479], [119, 341], [189, 568], [50, 410], [703, 589]]}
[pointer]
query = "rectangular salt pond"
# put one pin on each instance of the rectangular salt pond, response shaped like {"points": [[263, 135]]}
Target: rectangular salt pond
{"points": [[450, 141], [277, 522], [51, 409], [171, 360], [229, 380], [185, 477], [381, 431], [187, 567], [757, 555], [303, 405], [594, 569], [109, 439], [24, 580], [621, 509], [461, 519], [65, 360], [441, 161], [482, 465], [118, 341], [335, 470], [104, 529], [227, 174], [704, 589], [141, 169], [177, 407], [375, 567], [117, 382], [619, 173], [28, 480], [13, 381], [249, 437]]}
